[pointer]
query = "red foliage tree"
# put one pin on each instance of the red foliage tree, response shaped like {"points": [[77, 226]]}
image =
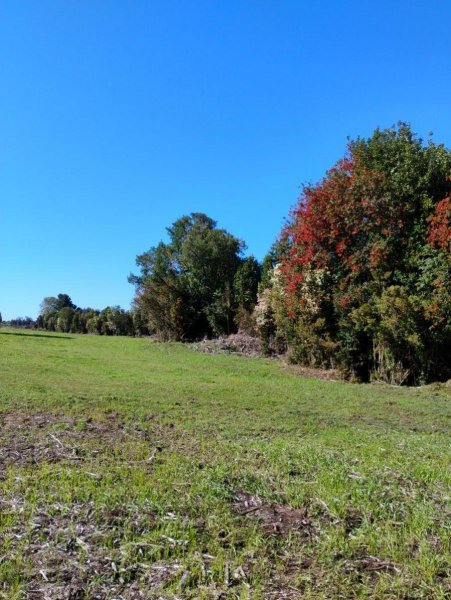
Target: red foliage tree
{"points": [[440, 225], [355, 265]]}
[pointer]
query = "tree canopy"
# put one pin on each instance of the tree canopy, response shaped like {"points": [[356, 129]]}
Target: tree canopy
{"points": [[61, 314], [192, 286]]}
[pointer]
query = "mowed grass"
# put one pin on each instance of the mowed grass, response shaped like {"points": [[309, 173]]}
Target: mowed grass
{"points": [[130, 469]]}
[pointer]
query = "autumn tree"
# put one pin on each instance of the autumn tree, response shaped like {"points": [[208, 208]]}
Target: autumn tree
{"points": [[366, 261]]}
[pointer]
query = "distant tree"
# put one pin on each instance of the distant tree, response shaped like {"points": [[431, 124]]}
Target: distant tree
{"points": [[52, 304], [140, 326], [75, 326], [65, 318], [93, 322], [64, 301], [245, 282], [245, 288], [49, 305], [115, 321], [270, 262], [22, 323], [60, 314]]}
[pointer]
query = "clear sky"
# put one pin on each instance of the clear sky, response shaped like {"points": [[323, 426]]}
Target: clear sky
{"points": [[118, 117]]}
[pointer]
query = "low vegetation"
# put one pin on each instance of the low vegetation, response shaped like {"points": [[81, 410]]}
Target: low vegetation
{"points": [[131, 469]]}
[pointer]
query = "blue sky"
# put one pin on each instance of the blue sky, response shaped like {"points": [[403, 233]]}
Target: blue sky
{"points": [[116, 118]]}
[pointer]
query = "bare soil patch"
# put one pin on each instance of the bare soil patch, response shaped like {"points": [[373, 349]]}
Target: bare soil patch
{"points": [[315, 372], [69, 559], [76, 551], [371, 564], [28, 439], [274, 519]]}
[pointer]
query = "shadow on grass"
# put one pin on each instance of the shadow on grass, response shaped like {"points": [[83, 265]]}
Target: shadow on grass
{"points": [[38, 335]]}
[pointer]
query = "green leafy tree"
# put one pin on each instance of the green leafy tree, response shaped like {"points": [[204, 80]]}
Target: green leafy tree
{"points": [[49, 305], [245, 282], [185, 287], [60, 314], [64, 301], [64, 318], [245, 290], [115, 321]]}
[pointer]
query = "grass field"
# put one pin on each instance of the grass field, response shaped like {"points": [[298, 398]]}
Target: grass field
{"points": [[130, 469]]}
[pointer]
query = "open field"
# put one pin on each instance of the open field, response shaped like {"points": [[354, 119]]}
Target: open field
{"points": [[131, 470]]}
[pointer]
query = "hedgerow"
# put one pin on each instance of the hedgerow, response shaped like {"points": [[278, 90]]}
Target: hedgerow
{"points": [[364, 263]]}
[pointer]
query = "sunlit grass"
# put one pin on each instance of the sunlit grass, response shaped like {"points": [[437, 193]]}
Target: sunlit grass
{"points": [[368, 464]]}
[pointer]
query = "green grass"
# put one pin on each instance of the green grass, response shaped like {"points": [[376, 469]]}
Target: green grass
{"points": [[83, 510]]}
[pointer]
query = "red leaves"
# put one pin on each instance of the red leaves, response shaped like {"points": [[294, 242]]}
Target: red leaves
{"points": [[356, 262], [335, 223], [350, 225], [440, 225]]}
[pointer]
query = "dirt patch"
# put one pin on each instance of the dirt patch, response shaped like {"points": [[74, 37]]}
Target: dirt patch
{"points": [[371, 565], [282, 583], [315, 372], [275, 519], [79, 551], [352, 520], [75, 553], [280, 594], [29, 439]]}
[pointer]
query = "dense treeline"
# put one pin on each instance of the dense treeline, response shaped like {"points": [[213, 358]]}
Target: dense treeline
{"points": [[20, 323], [61, 314], [361, 277]]}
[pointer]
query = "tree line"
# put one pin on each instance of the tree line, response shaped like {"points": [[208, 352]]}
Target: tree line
{"points": [[359, 278], [59, 313]]}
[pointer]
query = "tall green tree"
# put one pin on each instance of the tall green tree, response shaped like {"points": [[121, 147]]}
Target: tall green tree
{"points": [[186, 287]]}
